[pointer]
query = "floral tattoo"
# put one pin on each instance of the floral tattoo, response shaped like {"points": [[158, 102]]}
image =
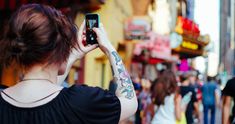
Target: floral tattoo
{"points": [[124, 78]]}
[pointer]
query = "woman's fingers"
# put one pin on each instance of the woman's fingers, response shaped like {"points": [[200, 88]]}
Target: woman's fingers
{"points": [[82, 28], [81, 36], [89, 48], [102, 28], [84, 37], [98, 32], [84, 32], [84, 41]]}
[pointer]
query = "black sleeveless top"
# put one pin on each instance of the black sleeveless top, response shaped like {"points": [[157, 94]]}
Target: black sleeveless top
{"points": [[74, 105]]}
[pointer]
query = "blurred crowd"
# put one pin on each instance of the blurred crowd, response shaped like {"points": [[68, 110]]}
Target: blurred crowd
{"points": [[176, 98]]}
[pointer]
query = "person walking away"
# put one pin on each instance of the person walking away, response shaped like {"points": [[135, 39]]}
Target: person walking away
{"points": [[185, 88], [138, 90], [228, 95], [209, 95], [145, 97], [166, 99]]}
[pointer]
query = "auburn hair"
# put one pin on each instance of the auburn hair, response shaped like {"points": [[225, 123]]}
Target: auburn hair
{"points": [[37, 34], [164, 86]]}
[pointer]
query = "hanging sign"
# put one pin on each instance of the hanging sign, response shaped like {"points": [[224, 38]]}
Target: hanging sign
{"points": [[137, 28], [187, 27], [158, 45]]}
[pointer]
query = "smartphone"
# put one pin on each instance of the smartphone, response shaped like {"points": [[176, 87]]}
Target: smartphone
{"points": [[92, 20]]}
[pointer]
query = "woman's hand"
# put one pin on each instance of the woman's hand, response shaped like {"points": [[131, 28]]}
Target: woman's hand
{"points": [[81, 49], [77, 53], [102, 39]]}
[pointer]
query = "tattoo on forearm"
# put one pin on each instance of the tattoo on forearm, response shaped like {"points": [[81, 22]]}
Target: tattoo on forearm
{"points": [[124, 78], [116, 56]]}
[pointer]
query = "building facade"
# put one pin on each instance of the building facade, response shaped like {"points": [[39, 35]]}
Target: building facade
{"points": [[227, 39]]}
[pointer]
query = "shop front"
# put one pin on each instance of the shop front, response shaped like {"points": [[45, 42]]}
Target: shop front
{"points": [[190, 44]]}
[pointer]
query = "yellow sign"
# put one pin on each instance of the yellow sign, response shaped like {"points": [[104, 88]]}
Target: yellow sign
{"points": [[190, 45]]}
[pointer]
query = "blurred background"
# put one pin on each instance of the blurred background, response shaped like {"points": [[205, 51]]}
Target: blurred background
{"points": [[194, 37]]}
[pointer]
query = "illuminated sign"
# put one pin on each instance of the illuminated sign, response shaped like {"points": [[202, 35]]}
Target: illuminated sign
{"points": [[187, 26], [158, 45], [190, 45], [136, 28]]}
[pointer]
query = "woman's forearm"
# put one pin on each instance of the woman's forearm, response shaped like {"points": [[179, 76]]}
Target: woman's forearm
{"points": [[178, 111], [125, 90], [121, 77], [226, 109], [225, 115]]}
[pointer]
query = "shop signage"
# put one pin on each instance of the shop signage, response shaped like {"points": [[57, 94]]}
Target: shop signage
{"points": [[137, 28], [161, 47], [190, 45], [158, 46], [184, 65], [187, 27]]}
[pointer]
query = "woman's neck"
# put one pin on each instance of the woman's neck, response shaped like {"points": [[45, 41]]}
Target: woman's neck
{"points": [[41, 72], [37, 82]]}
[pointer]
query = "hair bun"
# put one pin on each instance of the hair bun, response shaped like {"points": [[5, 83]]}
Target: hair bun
{"points": [[18, 46], [37, 34]]}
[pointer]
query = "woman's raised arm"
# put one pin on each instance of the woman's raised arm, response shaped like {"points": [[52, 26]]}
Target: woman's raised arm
{"points": [[75, 54], [125, 90]]}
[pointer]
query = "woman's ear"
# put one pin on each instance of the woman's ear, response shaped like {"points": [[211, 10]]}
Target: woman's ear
{"points": [[62, 68]]}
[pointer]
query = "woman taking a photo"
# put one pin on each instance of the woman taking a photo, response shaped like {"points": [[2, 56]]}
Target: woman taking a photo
{"points": [[44, 44]]}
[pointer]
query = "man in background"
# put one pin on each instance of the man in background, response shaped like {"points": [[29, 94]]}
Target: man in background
{"points": [[209, 96], [193, 106], [228, 95]]}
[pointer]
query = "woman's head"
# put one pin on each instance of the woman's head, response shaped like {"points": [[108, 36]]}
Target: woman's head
{"points": [[163, 86], [37, 34]]}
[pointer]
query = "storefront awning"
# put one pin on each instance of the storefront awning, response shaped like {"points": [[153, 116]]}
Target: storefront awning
{"points": [[190, 47]]}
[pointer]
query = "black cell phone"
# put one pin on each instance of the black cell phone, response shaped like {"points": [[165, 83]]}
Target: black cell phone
{"points": [[92, 20]]}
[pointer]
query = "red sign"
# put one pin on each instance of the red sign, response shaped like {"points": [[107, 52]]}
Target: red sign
{"points": [[187, 26]]}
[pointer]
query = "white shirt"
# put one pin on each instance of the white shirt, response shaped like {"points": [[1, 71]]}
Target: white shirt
{"points": [[165, 114]]}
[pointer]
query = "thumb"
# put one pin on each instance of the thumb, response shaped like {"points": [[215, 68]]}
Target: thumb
{"points": [[97, 31], [92, 47]]}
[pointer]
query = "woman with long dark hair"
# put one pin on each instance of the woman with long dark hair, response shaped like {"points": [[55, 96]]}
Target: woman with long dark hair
{"points": [[44, 44], [166, 99]]}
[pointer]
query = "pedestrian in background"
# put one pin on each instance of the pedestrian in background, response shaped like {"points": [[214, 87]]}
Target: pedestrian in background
{"points": [[145, 97], [138, 90], [166, 99], [44, 43], [228, 94], [209, 96], [196, 83], [192, 106]]}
